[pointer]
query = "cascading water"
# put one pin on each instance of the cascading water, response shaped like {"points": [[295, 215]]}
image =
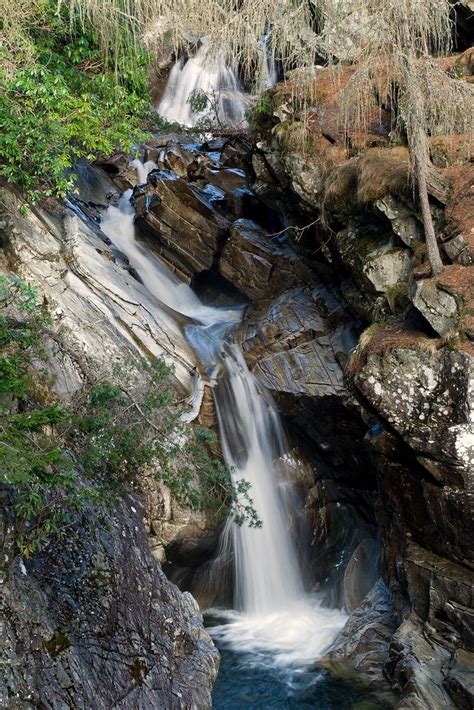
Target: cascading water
{"points": [[276, 622], [209, 77]]}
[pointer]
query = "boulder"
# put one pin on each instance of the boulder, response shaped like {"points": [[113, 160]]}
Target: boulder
{"points": [[374, 262], [403, 220], [437, 306], [181, 221], [426, 395], [257, 265]]}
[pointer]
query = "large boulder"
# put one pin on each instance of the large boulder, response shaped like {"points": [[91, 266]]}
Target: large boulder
{"points": [[426, 395], [260, 267]]}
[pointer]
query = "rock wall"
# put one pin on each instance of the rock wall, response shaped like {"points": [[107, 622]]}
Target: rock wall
{"points": [[411, 374], [92, 622]]}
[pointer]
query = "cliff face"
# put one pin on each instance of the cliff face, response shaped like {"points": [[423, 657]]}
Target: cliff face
{"points": [[411, 372], [93, 623]]}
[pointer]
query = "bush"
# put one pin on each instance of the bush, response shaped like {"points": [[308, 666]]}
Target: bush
{"points": [[65, 103], [54, 459]]}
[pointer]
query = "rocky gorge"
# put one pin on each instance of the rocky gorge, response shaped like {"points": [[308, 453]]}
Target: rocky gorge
{"points": [[368, 358]]}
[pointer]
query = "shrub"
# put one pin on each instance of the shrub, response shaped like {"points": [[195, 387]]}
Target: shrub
{"points": [[53, 459]]}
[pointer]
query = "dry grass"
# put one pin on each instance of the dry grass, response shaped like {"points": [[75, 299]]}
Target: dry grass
{"points": [[361, 181], [381, 339], [383, 171]]}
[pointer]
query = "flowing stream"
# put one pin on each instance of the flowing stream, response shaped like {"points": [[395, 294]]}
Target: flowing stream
{"points": [[275, 624]]}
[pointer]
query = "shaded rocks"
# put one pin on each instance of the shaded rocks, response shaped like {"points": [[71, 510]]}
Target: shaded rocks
{"points": [[93, 622], [426, 395], [181, 220], [258, 266], [362, 645]]}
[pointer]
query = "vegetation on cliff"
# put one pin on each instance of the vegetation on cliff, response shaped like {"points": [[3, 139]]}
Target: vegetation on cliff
{"points": [[60, 98], [54, 458]]}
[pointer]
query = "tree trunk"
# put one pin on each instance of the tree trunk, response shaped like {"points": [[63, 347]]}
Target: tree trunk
{"points": [[421, 161]]}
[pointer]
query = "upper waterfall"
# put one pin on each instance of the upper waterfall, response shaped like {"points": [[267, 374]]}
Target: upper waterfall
{"points": [[210, 77]]}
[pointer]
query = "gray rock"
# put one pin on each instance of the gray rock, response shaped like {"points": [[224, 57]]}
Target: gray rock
{"points": [[418, 666], [361, 573], [93, 623], [363, 643], [404, 223], [437, 306], [181, 221], [374, 262], [426, 395], [256, 265]]}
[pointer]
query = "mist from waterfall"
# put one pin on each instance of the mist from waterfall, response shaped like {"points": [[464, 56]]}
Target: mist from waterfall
{"points": [[209, 77], [273, 615]]}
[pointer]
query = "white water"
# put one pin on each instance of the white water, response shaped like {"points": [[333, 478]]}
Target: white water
{"points": [[203, 74], [274, 616]]}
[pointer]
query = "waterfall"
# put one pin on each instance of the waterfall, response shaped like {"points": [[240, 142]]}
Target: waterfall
{"points": [[274, 614], [266, 569], [203, 75]]}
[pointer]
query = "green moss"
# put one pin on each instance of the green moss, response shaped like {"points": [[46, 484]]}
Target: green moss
{"points": [[138, 670], [58, 643]]}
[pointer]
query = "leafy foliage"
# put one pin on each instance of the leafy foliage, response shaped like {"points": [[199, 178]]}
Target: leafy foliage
{"points": [[55, 459], [65, 102]]}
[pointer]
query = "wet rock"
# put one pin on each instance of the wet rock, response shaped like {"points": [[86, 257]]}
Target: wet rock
{"points": [[93, 622], [441, 594], [361, 573], [459, 680], [299, 342], [173, 157], [437, 306], [417, 665], [77, 276], [258, 266], [181, 221], [363, 643]]}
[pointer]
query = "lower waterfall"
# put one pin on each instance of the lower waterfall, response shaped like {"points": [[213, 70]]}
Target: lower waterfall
{"points": [[275, 620]]}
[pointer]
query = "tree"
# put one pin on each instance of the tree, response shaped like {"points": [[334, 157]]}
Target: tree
{"points": [[394, 53]]}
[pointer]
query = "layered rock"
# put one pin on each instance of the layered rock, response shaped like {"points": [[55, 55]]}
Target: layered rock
{"points": [[181, 219], [258, 266], [93, 622]]}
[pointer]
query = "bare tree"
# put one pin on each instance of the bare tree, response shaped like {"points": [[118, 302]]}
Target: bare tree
{"points": [[393, 47]]}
